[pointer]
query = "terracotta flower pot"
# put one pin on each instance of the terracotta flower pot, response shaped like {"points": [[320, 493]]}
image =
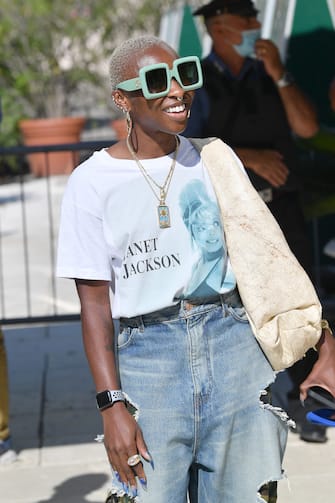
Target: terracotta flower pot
{"points": [[54, 131]]}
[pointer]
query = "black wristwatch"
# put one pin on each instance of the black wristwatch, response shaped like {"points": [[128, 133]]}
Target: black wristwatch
{"points": [[108, 398]]}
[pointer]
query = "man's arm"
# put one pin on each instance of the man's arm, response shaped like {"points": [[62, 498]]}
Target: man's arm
{"points": [[301, 114], [122, 436], [267, 164]]}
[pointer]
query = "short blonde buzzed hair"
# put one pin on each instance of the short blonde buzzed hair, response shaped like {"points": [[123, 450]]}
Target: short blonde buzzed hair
{"points": [[122, 54]]}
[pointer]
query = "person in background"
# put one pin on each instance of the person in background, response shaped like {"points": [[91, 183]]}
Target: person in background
{"points": [[7, 454], [251, 102], [332, 95], [329, 248]]}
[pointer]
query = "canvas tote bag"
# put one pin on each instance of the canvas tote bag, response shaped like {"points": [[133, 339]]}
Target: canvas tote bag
{"points": [[281, 303]]}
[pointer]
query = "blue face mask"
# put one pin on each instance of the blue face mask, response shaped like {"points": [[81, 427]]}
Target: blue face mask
{"points": [[247, 46]]}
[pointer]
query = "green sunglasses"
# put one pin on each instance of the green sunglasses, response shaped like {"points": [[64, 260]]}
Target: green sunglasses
{"points": [[155, 80]]}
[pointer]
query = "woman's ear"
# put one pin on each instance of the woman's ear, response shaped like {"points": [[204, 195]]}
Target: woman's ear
{"points": [[120, 100]]}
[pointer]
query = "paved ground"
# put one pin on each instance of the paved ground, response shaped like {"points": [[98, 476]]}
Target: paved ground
{"points": [[54, 422], [53, 418]]}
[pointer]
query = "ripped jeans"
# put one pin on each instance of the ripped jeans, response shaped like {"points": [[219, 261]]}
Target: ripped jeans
{"points": [[196, 372]]}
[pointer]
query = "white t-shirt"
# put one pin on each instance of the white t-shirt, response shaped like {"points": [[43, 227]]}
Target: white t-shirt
{"points": [[109, 231]]}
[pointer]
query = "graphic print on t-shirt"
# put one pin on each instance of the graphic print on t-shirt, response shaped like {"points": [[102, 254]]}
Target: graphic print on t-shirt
{"points": [[143, 257], [202, 219], [110, 232]]}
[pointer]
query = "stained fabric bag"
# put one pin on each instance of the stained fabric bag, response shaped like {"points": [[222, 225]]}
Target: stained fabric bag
{"points": [[280, 300]]}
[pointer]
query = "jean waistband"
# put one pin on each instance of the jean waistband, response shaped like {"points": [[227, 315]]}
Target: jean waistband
{"points": [[183, 308]]}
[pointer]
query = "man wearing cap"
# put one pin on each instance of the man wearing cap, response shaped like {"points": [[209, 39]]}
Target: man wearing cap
{"points": [[251, 102]]}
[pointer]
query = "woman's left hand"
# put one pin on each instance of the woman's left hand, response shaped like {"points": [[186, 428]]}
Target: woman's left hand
{"points": [[323, 371]]}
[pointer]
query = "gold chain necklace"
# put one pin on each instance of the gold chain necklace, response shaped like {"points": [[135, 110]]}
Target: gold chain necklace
{"points": [[163, 210]]}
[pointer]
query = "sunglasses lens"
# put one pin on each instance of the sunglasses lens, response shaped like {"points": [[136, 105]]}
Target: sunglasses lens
{"points": [[156, 80], [188, 73]]}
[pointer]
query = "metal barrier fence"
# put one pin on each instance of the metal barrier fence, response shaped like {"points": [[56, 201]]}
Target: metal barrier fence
{"points": [[29, 216]]}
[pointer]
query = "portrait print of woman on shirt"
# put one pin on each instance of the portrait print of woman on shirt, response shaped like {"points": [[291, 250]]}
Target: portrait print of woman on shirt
{"points": [[201, 216]]}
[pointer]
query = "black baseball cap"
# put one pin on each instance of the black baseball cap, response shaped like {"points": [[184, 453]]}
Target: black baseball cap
{"points": [[245, 8]]}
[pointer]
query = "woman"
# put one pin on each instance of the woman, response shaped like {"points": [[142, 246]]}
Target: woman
{"points": [[7, 454], [178, 382]]}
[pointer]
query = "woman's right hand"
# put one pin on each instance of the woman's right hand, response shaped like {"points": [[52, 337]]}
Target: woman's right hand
{"points": [[123, 438], [122, 435]]}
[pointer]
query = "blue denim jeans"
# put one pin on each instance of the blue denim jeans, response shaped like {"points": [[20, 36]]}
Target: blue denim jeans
{"points": [[195, 373]]}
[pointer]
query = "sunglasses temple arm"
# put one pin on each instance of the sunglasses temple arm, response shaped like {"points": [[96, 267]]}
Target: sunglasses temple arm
{"points": [[130, 85]]}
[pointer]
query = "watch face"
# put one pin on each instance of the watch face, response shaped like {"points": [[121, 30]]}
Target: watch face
{"points": [[103, 399], [108, 397]]}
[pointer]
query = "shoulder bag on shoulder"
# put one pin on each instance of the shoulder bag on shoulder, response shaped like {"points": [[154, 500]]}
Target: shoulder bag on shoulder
{"points": [[280, 300]]}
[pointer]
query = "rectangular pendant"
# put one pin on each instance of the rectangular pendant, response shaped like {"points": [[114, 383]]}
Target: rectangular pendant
{"points": [[163, 216]]}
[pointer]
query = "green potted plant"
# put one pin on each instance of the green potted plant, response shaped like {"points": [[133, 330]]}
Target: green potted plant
{"points": [[56, 56]]}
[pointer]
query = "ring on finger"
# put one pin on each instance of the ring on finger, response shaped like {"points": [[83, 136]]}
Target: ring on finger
{"points": [[134, 460]]}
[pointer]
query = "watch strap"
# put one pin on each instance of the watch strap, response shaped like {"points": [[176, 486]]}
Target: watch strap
{"points": [[108, 398], [285, 80]]}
